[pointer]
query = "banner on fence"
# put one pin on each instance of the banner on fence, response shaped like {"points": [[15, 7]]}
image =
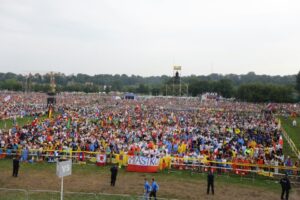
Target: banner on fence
{"points": [[265, 173], [101, 159], [142, 164]]}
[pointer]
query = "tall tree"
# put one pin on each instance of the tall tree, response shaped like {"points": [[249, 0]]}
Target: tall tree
{"points": [[224, 87]]}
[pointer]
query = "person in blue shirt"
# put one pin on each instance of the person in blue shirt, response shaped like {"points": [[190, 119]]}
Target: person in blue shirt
{"points": [[146, 189], [24, 155], [154, 189], [175, 148], [92, 147]]}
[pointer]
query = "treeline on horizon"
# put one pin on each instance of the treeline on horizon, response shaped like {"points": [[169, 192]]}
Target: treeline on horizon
{"points": [[248, 87]]}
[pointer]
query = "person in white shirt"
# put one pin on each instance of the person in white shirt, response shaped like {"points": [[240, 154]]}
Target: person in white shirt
{"points": [[294, 123], [2, 144]]}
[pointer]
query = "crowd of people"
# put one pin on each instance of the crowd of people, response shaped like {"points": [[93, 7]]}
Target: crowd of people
{"points": [[16, 104], [149, 126]]}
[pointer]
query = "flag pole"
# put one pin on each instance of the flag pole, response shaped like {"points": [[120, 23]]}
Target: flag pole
{"points": [[62, 188]]}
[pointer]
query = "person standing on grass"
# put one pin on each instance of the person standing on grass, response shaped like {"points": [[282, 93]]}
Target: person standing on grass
{"points": [[285, 187], [294, 123], [154, 189], [16, 165], [114, 173], [146, 189], [210, 181]]}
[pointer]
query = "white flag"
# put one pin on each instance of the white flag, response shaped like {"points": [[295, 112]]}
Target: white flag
{"points": [[7, 98]]}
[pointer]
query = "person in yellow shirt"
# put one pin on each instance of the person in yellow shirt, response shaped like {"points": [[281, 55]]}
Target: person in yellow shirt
{"points": [[180, 150], [233, 154], [184, 147], [251, 152], [204, 159], [125, 159]]}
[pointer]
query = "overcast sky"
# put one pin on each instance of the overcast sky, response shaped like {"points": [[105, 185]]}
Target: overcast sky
{"points": [[148, 37]]}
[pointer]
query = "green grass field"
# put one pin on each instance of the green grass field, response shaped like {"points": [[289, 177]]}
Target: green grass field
{"points": [[294, 132], [184, 175], [8, 123]]}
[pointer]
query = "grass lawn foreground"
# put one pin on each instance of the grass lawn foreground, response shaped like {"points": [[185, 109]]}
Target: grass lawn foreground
{"points": [[93, 179]]}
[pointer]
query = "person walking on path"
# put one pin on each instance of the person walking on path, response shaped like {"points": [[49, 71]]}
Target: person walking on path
{"points": [[114, 173], [210, 182], [285, 187]]}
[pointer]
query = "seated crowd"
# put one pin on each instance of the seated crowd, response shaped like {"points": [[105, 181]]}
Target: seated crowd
{"points": [[157, 126]]}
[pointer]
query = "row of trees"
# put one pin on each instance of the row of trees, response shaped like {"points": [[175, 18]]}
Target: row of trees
{"points": [[254, 89], [252, 92], [266, 93], [125, 80]]}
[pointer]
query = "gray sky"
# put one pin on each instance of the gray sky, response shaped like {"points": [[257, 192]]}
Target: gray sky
{"points": [[149, 37]]}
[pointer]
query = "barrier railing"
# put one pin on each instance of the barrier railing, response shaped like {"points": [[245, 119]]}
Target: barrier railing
{"points": [[291, 143], [236, 168], [168, 162], [289, 140]]}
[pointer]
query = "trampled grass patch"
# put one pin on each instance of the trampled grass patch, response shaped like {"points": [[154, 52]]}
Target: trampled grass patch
{"points": [[95, 180], [8, 123]]}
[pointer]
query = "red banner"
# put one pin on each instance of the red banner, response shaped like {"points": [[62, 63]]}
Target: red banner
{"points": [[142, 164]]}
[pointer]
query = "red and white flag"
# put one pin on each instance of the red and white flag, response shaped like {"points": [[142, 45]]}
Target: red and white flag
{"points": [[101, 159], [143, 164]]}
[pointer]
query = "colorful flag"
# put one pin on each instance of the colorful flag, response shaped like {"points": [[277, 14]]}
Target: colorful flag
{"points": [[50, 112], [281, 141], [7, 98]]}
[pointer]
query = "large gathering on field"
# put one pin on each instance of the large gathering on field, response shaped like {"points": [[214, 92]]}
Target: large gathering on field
{"points": [[163, 100], [175, 133], [213, 129]]}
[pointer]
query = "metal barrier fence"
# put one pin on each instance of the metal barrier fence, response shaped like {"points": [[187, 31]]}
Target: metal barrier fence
{"points": [[35, 155], [291, 143], [21, 194], [288, 139], [243, 174]]}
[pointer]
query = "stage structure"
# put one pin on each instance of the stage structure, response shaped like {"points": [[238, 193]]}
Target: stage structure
{"points": [[28, 83], [177, 80], [175, 86], [51, 99]]}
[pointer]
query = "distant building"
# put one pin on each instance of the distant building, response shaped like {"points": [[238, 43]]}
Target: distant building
{"points": [[209, 96], [88, 83], [130, 96]]}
